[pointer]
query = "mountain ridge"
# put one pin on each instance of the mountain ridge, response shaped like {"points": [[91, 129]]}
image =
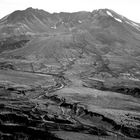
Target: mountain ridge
{"points": [[54, 19], [28, 11]]}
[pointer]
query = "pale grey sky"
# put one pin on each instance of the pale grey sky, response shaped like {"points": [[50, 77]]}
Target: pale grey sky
{"points": [[127, 8]]}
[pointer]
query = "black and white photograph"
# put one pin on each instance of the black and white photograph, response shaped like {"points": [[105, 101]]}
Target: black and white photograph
{"points": [[69, 69]]}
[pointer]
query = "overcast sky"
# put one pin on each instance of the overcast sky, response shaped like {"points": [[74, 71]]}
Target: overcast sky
{"points": [[127, 8]]}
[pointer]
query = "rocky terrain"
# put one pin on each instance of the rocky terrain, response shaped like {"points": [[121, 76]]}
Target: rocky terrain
{"points": [[69, 76]]}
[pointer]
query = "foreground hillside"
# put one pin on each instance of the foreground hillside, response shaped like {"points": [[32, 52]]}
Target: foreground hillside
{"points": [[72, 76]]}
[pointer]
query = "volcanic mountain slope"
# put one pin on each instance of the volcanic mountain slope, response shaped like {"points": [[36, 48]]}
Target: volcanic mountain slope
{"points": [[102, 38], [89, 65]]}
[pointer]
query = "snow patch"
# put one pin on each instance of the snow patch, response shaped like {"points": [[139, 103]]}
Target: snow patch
{"points": [[53, 27], [127, 22], [118, 19], [109, 13], [135, 24], [80, 21]]}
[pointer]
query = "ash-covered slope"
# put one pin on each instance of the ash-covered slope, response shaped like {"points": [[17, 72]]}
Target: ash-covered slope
{"points": [[101, 37]]}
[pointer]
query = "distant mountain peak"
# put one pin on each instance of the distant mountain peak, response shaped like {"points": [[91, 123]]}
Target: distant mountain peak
{"points": [[20, 15], [30, 9], [106, 12]]}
